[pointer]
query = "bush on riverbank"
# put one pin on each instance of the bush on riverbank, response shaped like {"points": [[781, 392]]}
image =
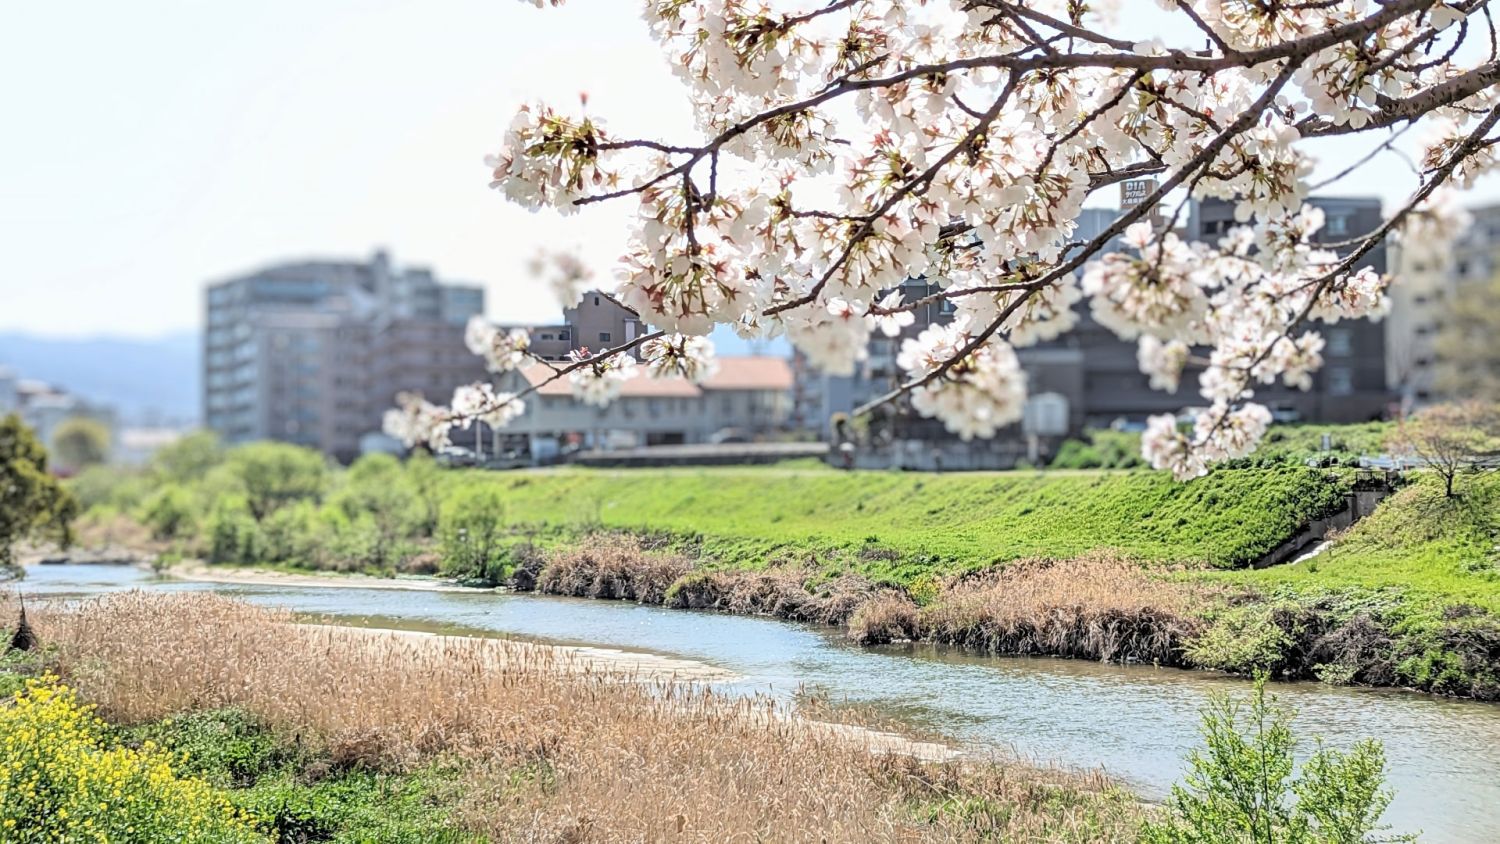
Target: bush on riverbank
{"points": [[453, 739]]}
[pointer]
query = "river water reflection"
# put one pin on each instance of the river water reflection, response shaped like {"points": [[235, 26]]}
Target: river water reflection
{"points": [[1135, 722]]}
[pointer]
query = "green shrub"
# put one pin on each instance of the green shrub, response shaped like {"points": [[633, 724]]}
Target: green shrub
{"points": [[170, 512], [1244, 787], [1242, 640], [471, 530], [275, 474], [231, 534], [225, 747], [293, 534]]}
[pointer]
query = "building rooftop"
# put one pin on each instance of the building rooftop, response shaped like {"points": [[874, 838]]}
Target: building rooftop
{"points": [[751, 372], [754, 372]]}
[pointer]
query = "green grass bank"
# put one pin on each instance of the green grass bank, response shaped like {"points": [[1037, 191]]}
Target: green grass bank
{"points": [[904, 527]]}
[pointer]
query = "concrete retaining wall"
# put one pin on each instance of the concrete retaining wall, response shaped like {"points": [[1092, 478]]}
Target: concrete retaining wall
{"points": [[1358, 504]]}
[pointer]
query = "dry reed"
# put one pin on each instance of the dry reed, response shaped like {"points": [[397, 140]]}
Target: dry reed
{"points": [[1095, 607], [555, 755], [792, 593], [612, 566]]}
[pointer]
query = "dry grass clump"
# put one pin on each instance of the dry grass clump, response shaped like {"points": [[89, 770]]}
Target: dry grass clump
{"points": [[1095, 607], [792, 593], [612, 566], [888, 617], [555, 755]]}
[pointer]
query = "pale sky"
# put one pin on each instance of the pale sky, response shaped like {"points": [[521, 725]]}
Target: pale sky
{"points": [[152, 146]]}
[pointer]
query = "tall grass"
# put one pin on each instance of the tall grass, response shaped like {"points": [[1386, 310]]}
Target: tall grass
{"points": [[1094, 607], [612, 566], [555, 751]]}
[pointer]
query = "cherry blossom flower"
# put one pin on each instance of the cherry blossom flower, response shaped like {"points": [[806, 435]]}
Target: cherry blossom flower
{"points": [[974, 393], [481, 403], [502, 350], [415, 421], [680, 355], [599, 381]]}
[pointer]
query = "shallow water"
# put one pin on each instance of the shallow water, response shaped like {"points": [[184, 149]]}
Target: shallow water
{"points": [[1135, 722]]}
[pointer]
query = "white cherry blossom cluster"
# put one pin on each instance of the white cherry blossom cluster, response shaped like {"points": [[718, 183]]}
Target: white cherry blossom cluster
{"points": [[1160, 290], [1223, 432], [845, 146], [599, 378], [502, 350], [415, 421], [568, 275], [679, 355], [481, 403], [975, 387], [1163, 362], [549, 160]]}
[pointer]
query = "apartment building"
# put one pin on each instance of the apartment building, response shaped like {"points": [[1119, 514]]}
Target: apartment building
{"points": [[314, 352], [1424, 293]]}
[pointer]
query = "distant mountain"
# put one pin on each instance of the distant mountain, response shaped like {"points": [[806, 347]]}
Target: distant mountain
{"points": [[146, 381]]}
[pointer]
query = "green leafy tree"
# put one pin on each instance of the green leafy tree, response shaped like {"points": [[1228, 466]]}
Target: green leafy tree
{"points": [[375, 486], [472, 531], [170, 512], [276, 474], [1245, 788], [426, 478], [32, 501], [189, 458], [80, 442], [231, 533]]}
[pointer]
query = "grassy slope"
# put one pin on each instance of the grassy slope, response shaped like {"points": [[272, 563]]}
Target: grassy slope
{"points": [[902, 526], [1434, 550]]}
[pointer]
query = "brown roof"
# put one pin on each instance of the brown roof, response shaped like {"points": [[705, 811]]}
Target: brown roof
{"points": [[641, 385], [754, 372], [757, 372]]}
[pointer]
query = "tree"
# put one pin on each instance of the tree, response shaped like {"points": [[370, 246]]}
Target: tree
{"points": [[1448, 438], [846, 145], [275, 474], [80, 442], [1468, 357], [189, 458], [376, 486], [471, 531], [32, 501], [1244, 786]]}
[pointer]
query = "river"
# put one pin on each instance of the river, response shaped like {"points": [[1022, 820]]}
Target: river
{"points": [[1134, 722]]}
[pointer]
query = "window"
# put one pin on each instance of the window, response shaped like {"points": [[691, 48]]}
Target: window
{"points": [[1340, 381], [1340, 343], [1337, 224], [596, 301], [565, 335], [604, 336]]}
